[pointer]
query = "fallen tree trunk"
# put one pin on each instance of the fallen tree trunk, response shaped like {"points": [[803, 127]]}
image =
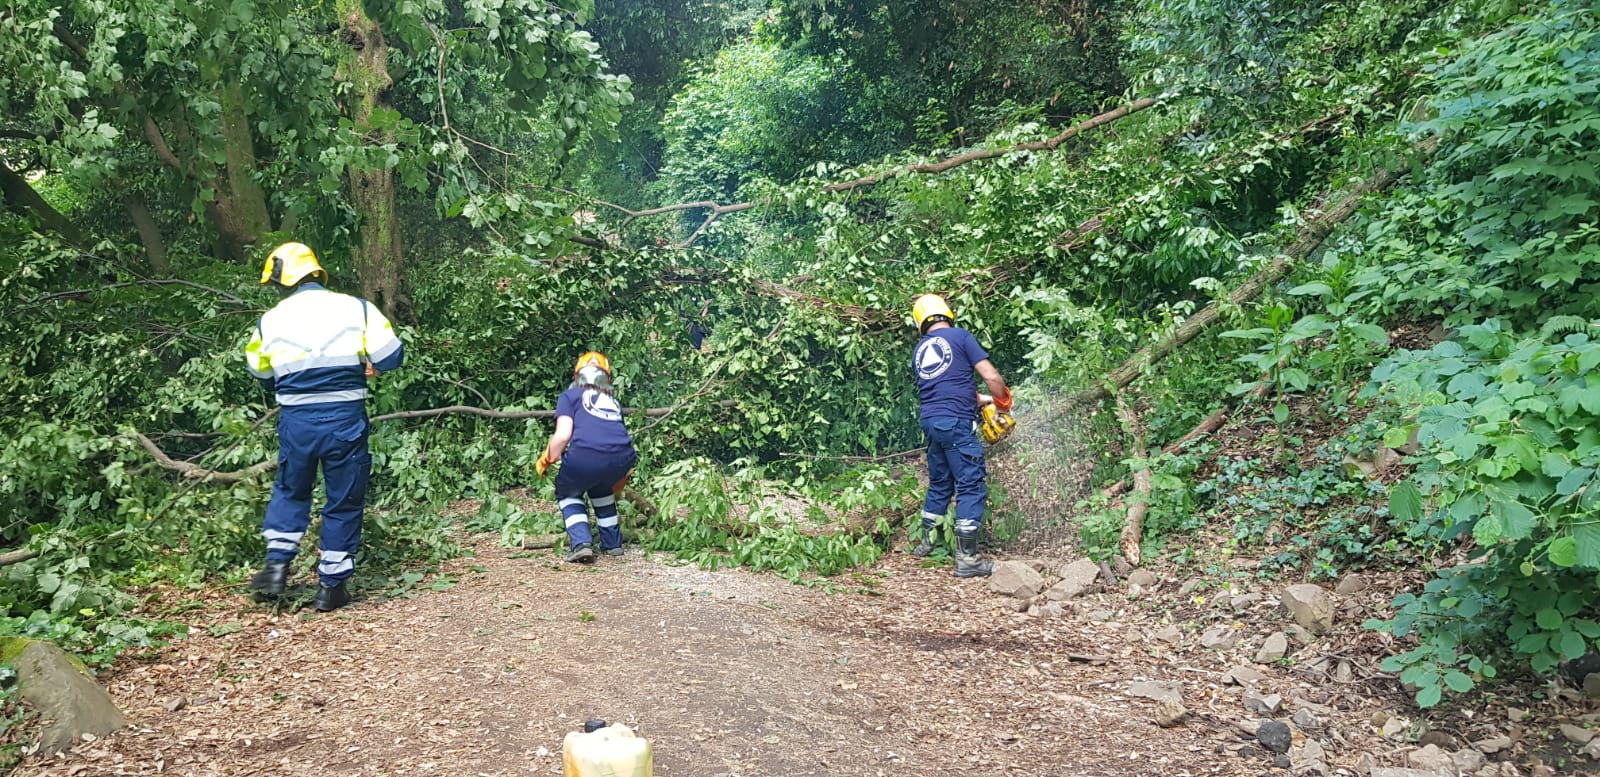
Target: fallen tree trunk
{"points": [[1310, 237], [1133, 530]]}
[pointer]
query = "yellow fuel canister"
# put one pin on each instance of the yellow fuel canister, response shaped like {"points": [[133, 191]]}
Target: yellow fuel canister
{"points": [[606, 751]]}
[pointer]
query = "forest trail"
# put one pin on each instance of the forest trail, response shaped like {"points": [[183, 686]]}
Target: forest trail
{"points": [[728, 673]]}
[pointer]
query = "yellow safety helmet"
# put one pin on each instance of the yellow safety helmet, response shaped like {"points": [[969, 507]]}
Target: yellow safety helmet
{"points": [[290, 263], [592, 369], [930, 308]]}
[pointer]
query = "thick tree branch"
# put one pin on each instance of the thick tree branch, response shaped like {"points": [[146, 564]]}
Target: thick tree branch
{"points": [[950, 163], [190, 470], [17, 556], [990, 153]]}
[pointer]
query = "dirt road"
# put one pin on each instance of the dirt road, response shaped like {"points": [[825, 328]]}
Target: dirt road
{"points": [[728, 673]]}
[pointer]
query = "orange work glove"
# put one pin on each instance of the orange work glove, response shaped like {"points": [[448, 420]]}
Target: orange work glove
{"points": [[543, 464], [616, 490], [1002, 402]]}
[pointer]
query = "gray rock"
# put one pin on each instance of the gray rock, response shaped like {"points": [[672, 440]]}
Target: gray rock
{"points": [[1262, 705], [1577, 735], [1015, 578], [1218, 638], [1468, 761], [1592, 750], [1142, 578], [1311, 606], [1282, 762], [62, 690], [1299, 634], [1101, 616], [1039, 565], [1159, 690], [1169, 713], [1276, 647], [1190, 586], [1244, 675], [1244, 600], [1306, 720], [176, 703], [1431, 759], [1274, 736], [1591, 685], [1343, 672], [1311, 758], [1052, 609], [1121, 565], [1493, 745], [1351, 584], [1075, 579], [1171, 635]]}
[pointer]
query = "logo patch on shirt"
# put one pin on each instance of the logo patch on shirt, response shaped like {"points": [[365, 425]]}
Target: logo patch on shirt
{"points": [[602, 406], [933, 358]]}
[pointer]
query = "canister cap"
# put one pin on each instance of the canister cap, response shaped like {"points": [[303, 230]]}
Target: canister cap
{"points": [[591, 726]]}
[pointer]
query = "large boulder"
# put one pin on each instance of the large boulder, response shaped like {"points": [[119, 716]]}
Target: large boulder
{"points": [[1016, 578], [63, 690], [1311, 606]]}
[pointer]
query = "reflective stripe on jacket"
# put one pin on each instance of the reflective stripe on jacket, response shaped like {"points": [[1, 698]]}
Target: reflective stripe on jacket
{"points": [[309, 348]]}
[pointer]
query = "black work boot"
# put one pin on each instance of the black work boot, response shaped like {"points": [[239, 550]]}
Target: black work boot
{"points": [[967, 562], [617, 551], [928, 545], [581, 553], [271, 580], [331, 597]]}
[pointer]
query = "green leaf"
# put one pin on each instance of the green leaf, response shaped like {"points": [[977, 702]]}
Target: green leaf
{"points": [[1564, 551], [1398, 436], [1548, 619], [1458, 681], [1306, 289], [1429, 696], [1587, 538], [1405, 502], [1518, 519], [1572, 645]]}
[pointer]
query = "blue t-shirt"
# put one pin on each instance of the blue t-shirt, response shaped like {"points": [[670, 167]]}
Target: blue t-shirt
{"points": [[943, 362], [596, 420]]}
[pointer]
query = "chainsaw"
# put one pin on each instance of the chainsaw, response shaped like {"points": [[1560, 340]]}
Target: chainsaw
{"points": [[995, 425]]}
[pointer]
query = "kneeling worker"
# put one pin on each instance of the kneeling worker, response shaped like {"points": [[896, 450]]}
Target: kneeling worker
{"points": [[596, 455]]}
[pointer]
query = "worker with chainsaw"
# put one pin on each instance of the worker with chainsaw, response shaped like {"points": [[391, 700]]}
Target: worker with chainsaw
{"points": [[953, 416], [596, 455], [316, 350]]}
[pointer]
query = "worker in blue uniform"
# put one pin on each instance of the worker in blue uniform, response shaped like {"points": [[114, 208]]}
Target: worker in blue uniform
{"points": [[596, 455], [315, 350], [944, 361]]}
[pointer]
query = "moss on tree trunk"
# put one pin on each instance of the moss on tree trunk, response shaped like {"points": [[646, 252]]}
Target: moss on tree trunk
{"points": [[379, 260]]}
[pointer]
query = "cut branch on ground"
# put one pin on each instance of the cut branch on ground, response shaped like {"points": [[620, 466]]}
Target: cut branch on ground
{"points": [[1139, 504]]}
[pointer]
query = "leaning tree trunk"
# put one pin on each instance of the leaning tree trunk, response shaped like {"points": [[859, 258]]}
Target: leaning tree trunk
{"points": [[155, 249], [21, 198], [378, 259]]}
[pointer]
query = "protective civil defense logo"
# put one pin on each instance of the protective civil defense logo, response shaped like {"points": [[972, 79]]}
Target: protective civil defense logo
{"points": [[601, 406], [933, 357]]}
